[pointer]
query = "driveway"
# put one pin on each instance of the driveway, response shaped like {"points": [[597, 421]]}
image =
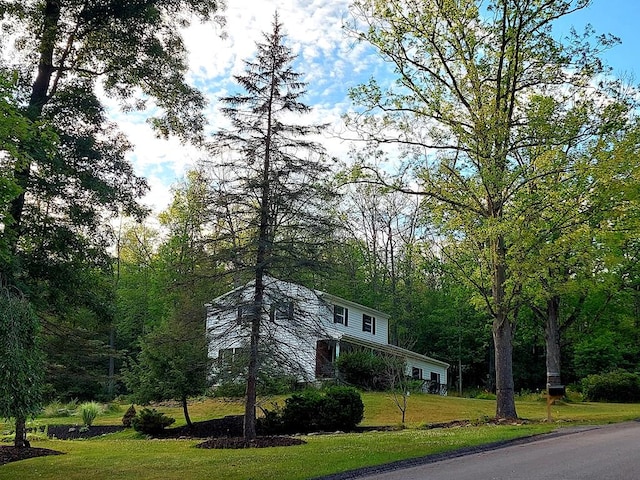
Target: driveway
{"points": [[610, 452]]}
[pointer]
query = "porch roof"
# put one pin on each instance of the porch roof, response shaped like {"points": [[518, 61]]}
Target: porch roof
{"points": [[390, 349]]}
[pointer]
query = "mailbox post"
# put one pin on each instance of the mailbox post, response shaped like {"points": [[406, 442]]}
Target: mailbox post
{"points": [[554, 392]]}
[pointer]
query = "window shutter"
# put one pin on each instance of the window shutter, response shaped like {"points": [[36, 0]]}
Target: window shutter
{"points": [[346, 317]]}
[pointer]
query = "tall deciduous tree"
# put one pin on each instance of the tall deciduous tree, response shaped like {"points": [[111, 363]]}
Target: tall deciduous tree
{"points": [[16, 131], [277, 188], [459, 108], [577, 235], [70, 53], [67, 51]]}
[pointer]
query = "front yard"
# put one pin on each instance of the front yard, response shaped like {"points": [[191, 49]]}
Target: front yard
{"points": [[127, 455]]}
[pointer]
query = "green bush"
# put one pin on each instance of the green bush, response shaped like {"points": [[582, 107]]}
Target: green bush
{"points": [[339, 408], [89, 411], [112, 407], [272, 422], [151, 422], [302, 411], [59, 409], [615, 386], [362, 369]]}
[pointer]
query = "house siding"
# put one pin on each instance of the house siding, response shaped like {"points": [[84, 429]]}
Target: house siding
{"points": [[354, 327]]}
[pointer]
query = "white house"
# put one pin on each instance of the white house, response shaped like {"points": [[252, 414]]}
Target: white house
{"points": [[306, 330]]}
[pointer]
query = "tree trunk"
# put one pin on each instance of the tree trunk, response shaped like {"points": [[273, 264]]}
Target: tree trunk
{"points": [[505, 401], [252, 372], [262, 257], [21, 433], [39, 97], [502, 334], [185, 410], [552, 341], [112, 363]]}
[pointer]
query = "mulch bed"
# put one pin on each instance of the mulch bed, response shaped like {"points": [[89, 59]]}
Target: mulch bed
{"points": [[74, 432], [13, 454]]}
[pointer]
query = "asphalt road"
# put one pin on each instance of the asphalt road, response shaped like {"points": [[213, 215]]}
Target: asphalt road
{"points": [[610, 452]]}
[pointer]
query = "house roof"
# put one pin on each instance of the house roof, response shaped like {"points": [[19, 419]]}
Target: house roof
{"points": [[271, 284], [335, 299], [300, 290], [392, 349]]}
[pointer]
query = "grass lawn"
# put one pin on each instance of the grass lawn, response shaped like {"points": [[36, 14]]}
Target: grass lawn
{"points": [[125, 456]]}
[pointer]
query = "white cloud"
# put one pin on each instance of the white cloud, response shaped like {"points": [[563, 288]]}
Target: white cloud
{"points": [[329, 61]]}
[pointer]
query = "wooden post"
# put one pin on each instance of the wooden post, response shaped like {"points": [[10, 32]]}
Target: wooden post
{"points": [[554, 392], [550, 400]]}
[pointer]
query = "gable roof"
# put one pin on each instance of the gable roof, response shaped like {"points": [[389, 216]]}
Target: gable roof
{"points": [[271, 284], [335, 299], [292, 289]]}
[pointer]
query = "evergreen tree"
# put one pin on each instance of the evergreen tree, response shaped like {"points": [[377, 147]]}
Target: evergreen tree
{"points": [[273, 184]]}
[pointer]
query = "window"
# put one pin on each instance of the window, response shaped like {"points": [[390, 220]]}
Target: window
{"points": [[281, 311], [341, 315], [244, 313], [416, 373], [435, 377], [368, 324]]}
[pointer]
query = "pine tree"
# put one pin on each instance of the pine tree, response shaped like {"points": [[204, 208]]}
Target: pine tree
{"points": [[273, 184]]}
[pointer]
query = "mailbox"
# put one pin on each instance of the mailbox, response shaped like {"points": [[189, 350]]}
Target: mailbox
{"points": [[556, 390]]}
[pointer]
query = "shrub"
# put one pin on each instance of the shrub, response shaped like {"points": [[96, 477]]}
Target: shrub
{"points": [[89, 412], [112, 407], [272, 422], [128, 416], [302, 411], [57, 409], [151, 422], [339, 408], [362, 368], [615, 386]]}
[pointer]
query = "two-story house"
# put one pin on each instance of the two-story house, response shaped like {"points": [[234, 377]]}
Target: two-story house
{"points": [[306, 330]]}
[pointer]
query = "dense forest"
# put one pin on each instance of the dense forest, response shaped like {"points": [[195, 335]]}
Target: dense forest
{"points": [[490, 205]]}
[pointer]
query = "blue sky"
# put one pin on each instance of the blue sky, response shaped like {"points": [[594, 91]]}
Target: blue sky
{"points": [[330, 61], [622, 19]]}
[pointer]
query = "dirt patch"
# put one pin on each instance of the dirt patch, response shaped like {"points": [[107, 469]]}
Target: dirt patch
{"points": [[13, 454], [259, 442], [230, 426]]}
